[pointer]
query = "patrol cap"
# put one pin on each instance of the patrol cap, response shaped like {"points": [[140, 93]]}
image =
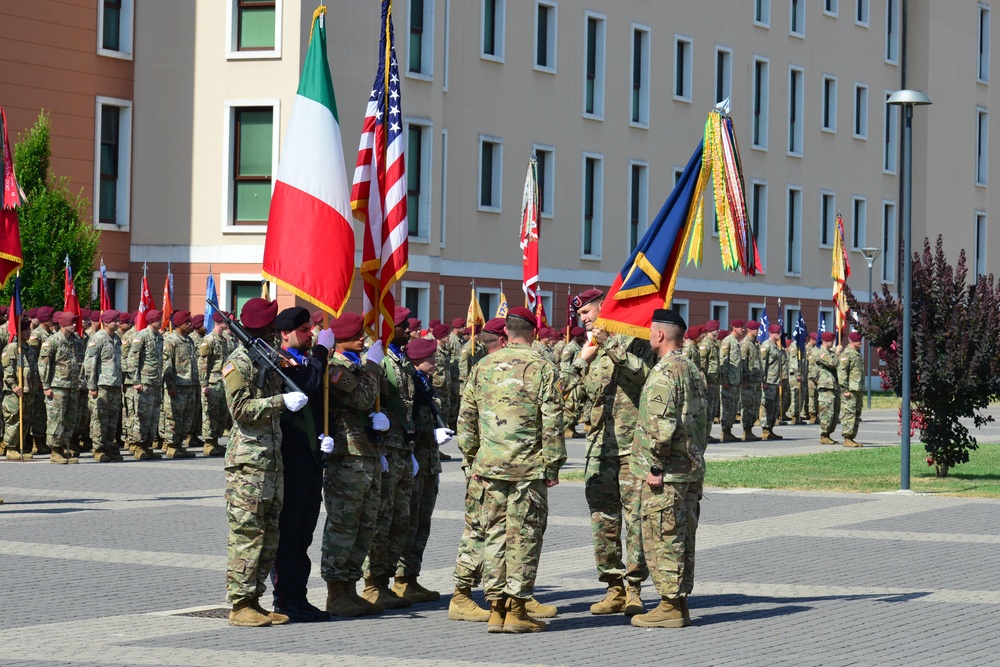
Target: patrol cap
{"points": [[458, 323], [109, 316], [291, 319], [45, 313], [65, 318], [496, 326], [347, 326], [317, 317], [180, 317], [440, 331], [198, 321], [400, 316], [420, 348], [218, 317], [522, 313], [752, 324], [585, 297], [854, 337], [258, 313], [125, 318], [774, 328], [666, 316], [577, 331], [712, 325], [828, 336]]}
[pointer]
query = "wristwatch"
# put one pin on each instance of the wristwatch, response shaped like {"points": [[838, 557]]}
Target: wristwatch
{"points": [[655, 472]]}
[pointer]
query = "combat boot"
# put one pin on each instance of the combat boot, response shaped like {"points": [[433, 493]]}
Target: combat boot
{"points": [[669, 614], [39, 446], [179, 452], [536, 609], [633, 601], [727, 435], [378, 591], [56, 455], [338, 603], [613, 602], [849, 442], [711, 439], [813, 419], [404, 588], [371, 607], [245, 616], [273, 616], [770, 435], [749, 435], [498, 615], [570, 433], [463, 608], [213, 448], [517, 620], [101, 457], [825, 439], [432, 596], [13, 455]]}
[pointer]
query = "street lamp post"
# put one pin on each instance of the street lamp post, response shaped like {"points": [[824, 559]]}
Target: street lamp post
{"points": [[870, 255], [907, 99]]}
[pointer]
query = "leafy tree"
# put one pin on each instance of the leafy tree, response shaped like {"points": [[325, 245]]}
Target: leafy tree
{"points": [[54, 223], [955, 353]]}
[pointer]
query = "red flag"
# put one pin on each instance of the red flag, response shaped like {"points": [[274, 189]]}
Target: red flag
{"points": [[105, 297], [168, 308], [543, 321], [11, 257], [70, 303], [145, 303], [529, 234]]}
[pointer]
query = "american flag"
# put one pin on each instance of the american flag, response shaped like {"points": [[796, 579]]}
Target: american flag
{"points": [[378, 197]]}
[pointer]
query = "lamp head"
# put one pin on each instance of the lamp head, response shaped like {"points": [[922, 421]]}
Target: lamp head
{"points": [[870, 255], [911, 98]]}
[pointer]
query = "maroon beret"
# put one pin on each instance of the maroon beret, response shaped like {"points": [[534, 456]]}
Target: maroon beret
{"points": [[109, 316], [774, 328], [65, 318], [181, 317], [522, 313], [440, 331], [577, 331], [434, 323], [812, 336], [198, 321], [400, 316], [854, 337], [124, 318], [586, 297], [752, 324], [3, 310], [828, 336], [458, 323], [689, 333], [347, 326], [317, 317], [218, 317], [153, 315], [723, 333], [712, 325], [45, 313], [420, 348], [556, 334], [696, 331], [258, 313], [412, 323], [738, 324], [86, 314], [31, 312], [496, 326]]}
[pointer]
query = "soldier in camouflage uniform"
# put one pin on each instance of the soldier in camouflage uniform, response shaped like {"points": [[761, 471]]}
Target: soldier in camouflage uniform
{"points": [[772, 363], [794, 380], [616, 367], [750, 393], [126, 335], [851, 375], [709, 353], [472, 352], [668, 455], [454, 357], [19, 391], [254, 482], [829, 389], [59, 369], [198, 333], [784, 392], [81, 441], [146, 391], [442, 371], [213, 352], [181, 383], [574, 395], [511, 435], [730, 378], [103, 374], [812, 374], [39, 414]]}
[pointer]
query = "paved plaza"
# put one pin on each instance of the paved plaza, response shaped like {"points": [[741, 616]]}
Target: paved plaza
{"points": [[106, 563]]}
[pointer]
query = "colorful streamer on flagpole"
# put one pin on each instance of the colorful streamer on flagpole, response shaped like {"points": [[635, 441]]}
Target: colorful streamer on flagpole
{"points": [[840, 273]]}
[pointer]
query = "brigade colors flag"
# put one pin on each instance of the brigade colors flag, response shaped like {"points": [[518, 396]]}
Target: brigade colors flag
{"points": [[11, 258]]}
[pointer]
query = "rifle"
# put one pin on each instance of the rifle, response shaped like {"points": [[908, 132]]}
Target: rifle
{"points": [[261, 354], [425, 396]]}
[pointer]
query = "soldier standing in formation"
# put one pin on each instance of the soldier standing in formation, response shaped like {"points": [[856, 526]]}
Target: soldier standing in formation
{"points": [[59, 368], [772, 366], [851, 379], [795, 376], [213, 352], [709, 352], [731, 378], [146, 392], [829, 391], [750, 395], [812, 375], [181, 382], [575, 396], [43, 328], [21, 385], [103, 374]]}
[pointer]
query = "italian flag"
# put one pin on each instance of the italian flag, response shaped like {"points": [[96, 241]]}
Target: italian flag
{"points": [[309, 248]]}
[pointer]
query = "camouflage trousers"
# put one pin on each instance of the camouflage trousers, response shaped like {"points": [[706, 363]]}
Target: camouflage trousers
{"points": [[351, 497], [851, 414], [105, 412], [692, 507], [393, 524], [180, 410], [12, 419], [664, 536], [812, 394], [144, 413], [214, 412], [613, 498], [514, 516], [730, 402], [750, 399], [573, 404], [253, 505], [469, 562], [38, 416], [795, 399], [769, 406], [829, 410], [422, 502], [62, 412], [713, 404]]}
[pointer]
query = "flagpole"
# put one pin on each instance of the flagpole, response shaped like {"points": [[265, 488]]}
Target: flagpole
{"points": [[20, 369], [568, 295], [326, 380]]}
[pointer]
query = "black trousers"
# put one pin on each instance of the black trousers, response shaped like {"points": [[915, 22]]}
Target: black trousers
{"points": [[297, 523]]}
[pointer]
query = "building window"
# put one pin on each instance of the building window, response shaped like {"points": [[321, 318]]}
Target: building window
{"points": [[545, 36], [890, 259], [256, 21], [420, 50], [860, 111], [861, 12], [114, 28], [723, 73], [982, 146], [829, 103], [984, 44], [117, 289], [890, 128], [638, 202], [720, 311], [253, 158], [682, 69], [891, 31], [593, 67], [793, 232], [490, 171], [678, 172], [112, 163], [797, 18], [796, 102], [494, 20], [758, 218], [830, 7], [417, 297], [418, 180], [682, 308], [241, 291], [546, 165], [980, 247], [761, 93], [859, 232], [827, 218], [762, 13], [640, 76], [593, 205]]}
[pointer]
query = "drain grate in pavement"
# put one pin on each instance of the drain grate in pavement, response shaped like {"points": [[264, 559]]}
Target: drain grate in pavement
{"points": [[214, 612]]}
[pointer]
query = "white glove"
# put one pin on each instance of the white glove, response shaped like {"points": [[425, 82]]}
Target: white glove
{"points": [[443, 435], [416, 466], [326, 444], [326, 339], [384, 463], [379, 421], [375, 353], [295, 400]]}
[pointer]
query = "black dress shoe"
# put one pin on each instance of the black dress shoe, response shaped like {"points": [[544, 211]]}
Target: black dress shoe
{"points": [[303, 612]]}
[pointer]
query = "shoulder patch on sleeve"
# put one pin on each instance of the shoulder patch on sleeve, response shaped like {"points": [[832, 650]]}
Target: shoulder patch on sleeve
{"points": [[227, 369], [336, 375]]}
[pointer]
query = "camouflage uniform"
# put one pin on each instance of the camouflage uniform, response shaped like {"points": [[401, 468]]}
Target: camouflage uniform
{"points": [[730, 373], [750, 395], [441, 379], [574, 396], [199, 408], [510, 432], [670, 436], [127, 408], [180, 380], [59, 368], [454, 357], [851, 378], [472, 352], [81, 432], [254, 481], [103, 371], [812, 368], [469, 561], [785, 393], [12, 405], [146, 365], [39, 412], [212, 356], [614, 382], [770, 374], [794, 382], [709, 354], [829, 391]]}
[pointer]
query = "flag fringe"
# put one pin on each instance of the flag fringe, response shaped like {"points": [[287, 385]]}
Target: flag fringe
{"points": [[612, 326], [311, 299]]}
